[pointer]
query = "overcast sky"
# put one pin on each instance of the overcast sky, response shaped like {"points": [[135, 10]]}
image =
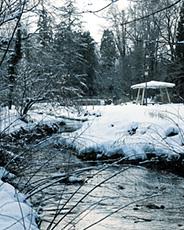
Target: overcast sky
{"points": [[96, 23]]}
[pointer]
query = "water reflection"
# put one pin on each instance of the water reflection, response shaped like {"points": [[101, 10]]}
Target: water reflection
{"points": [[122, 192]]}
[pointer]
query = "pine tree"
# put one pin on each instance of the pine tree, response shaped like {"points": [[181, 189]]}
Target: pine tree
{"points": [[179, 62], [67, 36], [180, 36], [108, 49], [89, 63], [44, 28], [107, 61], [70, 49]]}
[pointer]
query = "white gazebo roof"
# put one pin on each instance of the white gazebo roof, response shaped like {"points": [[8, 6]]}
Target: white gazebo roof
{"points": [[153, 85]]}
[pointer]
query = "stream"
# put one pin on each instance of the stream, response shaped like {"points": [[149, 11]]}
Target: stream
{"points": [[100, 196], [164, 211]]}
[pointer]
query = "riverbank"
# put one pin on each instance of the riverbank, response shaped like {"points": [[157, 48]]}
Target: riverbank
{"points": [[148, 135], [143, 136], [15, 212]]}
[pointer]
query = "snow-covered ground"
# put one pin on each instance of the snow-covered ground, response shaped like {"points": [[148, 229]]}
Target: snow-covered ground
{"points": [[131, 130], [15, 212]]}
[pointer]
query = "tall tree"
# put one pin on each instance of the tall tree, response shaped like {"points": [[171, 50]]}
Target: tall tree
{"points": [[88, 63], [74, 49], [108, 49], [107, 61], [45, 32], [180, 36], [66, 37], [13, 60], [179, 62]]}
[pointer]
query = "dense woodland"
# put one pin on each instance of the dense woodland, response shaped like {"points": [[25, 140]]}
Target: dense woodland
{"points": [[46, 55]]}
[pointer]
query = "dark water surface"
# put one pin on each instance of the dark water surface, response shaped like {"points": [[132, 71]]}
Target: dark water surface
{"points": [[165, 210], [101, 196]]}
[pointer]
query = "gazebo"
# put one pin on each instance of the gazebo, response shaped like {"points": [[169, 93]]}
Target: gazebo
{"points": [[142, 94]]}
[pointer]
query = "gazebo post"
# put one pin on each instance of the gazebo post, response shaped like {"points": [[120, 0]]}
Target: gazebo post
{"points": [[162, 95], [143, 92], [168, 97], [138, 95]]}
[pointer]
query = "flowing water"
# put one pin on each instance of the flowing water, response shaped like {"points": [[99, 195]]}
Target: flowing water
{"points": [[102, 196]]}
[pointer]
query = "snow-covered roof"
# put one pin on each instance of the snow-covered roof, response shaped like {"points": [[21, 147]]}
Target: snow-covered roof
{"points": [[153, 85]]}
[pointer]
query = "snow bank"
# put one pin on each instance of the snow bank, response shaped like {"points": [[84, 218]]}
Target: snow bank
{"points": [[43, 114], [133, 131], [9, 120], [15, 212]]}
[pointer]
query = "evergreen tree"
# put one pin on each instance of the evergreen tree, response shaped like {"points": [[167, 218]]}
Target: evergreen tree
{"points": [[107, 61], [136, 61], [108, 49], [45, 32], [180, 36], [72, 47], [67, 36], [179, 62], [89, 63]]}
